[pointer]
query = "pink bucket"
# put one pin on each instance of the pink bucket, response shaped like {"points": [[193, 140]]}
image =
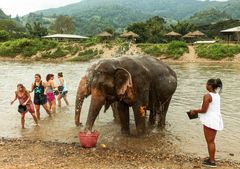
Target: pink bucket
{"points": [[88, 140]]}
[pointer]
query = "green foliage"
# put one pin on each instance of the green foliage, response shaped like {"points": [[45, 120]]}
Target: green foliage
{"points": [[183, 27], [86, 56], [209, 16], [3, 15], [151, 31], [10, 26], [4, 35], [123, 48], [92, 41], [174, 49], [58, 53], [217, 51], [36, 30], [25, 47], [214, 30], [64, 24]]}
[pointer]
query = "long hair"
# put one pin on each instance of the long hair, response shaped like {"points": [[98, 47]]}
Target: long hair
{"points": [[216, 84], [24, 89]]}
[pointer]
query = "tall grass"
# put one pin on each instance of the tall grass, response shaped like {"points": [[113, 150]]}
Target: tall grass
{"points": [[217, 51]]}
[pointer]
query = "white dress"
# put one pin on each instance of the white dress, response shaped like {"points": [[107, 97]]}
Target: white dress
{"points": [[213, 118]]}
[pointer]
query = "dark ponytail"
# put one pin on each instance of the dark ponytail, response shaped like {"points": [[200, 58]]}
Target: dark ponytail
{"points": [[216, 84]]}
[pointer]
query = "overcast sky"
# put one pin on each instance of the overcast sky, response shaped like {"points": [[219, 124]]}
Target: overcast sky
{"points": [[22, 7]]}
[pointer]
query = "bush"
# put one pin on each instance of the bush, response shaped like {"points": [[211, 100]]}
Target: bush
{"points": [[4, 35], [25, 47], [174, 49], [86, 56], [92, 41], [58, 53], [217, 51]]}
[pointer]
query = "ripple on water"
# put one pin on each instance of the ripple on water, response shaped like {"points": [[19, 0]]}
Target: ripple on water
{"points": [[191, 87]]}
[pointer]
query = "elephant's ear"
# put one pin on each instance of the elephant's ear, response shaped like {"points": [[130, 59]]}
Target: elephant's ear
{"points": [[123, 81]]}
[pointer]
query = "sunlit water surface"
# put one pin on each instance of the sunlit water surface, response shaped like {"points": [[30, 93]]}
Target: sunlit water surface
{"points": [[186, 134]]}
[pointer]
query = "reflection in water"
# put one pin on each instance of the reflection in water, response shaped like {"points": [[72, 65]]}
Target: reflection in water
{"points": [[191, 87]]}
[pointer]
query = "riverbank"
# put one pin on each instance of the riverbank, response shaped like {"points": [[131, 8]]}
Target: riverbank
{"points": [[37, 154], [176, 51]]}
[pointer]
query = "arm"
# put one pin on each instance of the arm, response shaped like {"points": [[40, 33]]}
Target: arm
{"points": [[29, 98], [32, 88], [206, 100], [52, 84], [14, 98], [61, 82]]}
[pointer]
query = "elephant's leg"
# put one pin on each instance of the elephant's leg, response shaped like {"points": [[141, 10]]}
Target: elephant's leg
{"points": [[152, 117], [115, 112], [123, 112], [140, 116], [163, 113]]}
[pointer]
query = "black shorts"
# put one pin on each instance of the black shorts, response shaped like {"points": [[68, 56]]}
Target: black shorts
{"points": [[40, 99], [63, 94]]}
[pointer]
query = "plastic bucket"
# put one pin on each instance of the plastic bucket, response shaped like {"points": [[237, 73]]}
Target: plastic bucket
{"points": [[88, 140]]}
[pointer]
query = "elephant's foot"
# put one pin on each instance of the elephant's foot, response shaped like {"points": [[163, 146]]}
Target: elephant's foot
{"points": [[125, 131]]}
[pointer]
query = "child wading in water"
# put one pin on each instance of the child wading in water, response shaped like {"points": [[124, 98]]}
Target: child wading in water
{"points": [[210, 116], [25, 101]]}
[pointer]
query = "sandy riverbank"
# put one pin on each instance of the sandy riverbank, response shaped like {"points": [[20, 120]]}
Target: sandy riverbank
{"points": [[37, 154]]}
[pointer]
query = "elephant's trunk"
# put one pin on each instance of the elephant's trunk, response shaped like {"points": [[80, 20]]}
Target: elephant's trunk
{"points": [[97, 102], [81, 94]]}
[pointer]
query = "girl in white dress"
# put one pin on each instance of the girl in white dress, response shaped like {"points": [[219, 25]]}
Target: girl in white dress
{"points": [[210, 116]]}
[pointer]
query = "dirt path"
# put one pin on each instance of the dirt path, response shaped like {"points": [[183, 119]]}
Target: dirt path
{"points": [[22, 154]]}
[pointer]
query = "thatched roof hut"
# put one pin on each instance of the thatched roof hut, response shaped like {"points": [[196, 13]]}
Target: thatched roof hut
{"points": [[105, 35], [198, 33], [189, 35], [129, 35], [173, 34]]}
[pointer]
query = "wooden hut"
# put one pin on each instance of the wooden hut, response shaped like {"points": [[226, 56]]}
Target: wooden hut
{"points": [[233, 34], [105, 35], [130, 36], [173, 35]]}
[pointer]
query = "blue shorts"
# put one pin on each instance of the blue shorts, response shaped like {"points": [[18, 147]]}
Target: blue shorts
{"points": [[63, 94]]}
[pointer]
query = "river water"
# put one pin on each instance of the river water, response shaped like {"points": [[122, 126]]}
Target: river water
{"points": [[187, 135]]}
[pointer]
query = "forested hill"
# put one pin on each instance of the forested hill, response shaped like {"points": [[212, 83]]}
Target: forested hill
{"points": [[93, 16], [174, 9], [3, 15]]}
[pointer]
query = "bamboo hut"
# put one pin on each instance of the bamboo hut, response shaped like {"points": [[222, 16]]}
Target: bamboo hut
{"points": [[130, 36], [104, 36], [232, 34]]}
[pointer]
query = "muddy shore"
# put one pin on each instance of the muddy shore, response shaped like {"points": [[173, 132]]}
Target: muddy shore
{"points": [[20, 153]]}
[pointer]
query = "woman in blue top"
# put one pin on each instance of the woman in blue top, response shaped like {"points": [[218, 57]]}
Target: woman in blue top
{"points": [[62, 88]]}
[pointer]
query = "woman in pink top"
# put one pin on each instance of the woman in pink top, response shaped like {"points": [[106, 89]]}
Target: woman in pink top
{"points": [[25, 102]]}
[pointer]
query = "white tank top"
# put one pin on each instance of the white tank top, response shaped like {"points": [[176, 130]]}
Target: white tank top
{"points": [[213, 118]]}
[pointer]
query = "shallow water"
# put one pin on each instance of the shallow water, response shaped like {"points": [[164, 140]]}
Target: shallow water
{"points": [[187, 135]]}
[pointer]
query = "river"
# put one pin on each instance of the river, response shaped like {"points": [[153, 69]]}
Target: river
{"points": [[187, 135]]}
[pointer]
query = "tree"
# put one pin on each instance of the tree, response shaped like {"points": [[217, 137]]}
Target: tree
{"points": [[36, 30], [183, 27], [150, 31], [10, 25], [63, 24]]}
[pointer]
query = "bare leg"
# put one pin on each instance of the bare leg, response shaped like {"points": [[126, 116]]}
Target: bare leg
{"points": [[45, 106], [66, 100], [210, 135], [59, 100], [53, 105], [23, 120], [37, 107], [34, 118]]}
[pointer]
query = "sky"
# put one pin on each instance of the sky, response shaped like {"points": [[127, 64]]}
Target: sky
{"points": [[23, 7]]}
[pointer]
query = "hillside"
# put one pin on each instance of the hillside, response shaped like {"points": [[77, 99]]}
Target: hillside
{"points": [[93, 16], [3, 15]]}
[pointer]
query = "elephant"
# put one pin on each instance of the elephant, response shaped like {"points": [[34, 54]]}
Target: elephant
{"points": [[141, 82]]}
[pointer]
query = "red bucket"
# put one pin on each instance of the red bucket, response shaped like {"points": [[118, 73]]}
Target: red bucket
{"points": [[88, 140]]}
